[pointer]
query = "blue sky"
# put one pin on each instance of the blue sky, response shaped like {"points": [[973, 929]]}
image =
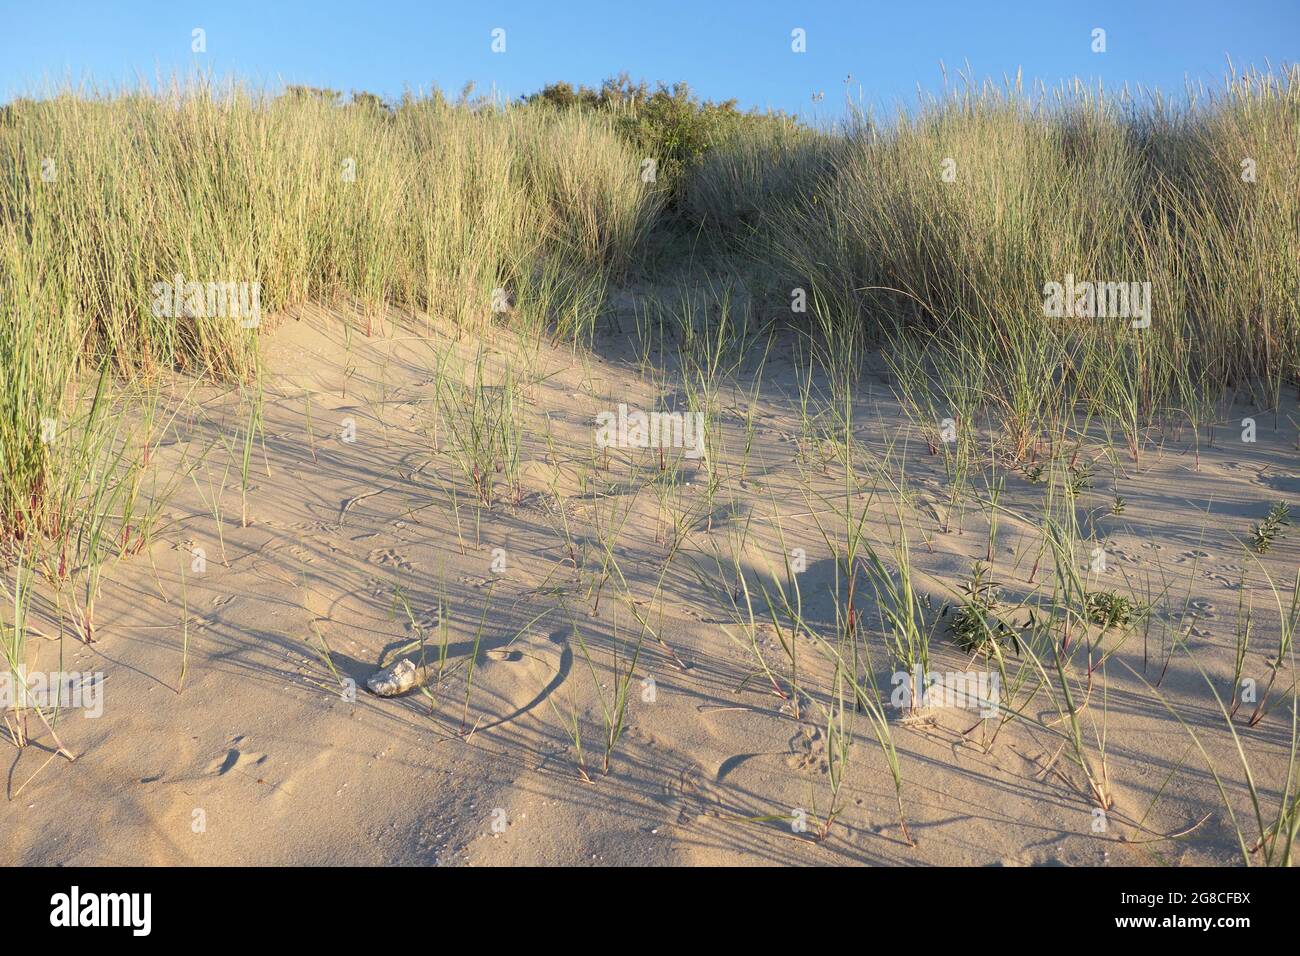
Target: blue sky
{"points": [[723, 49]]}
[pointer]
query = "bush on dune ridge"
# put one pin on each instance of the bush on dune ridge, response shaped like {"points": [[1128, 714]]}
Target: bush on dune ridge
{"points": [[668, 124]]}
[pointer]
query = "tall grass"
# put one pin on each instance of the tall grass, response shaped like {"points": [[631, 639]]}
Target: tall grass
{"points": [[430, 206], [952, 218]]}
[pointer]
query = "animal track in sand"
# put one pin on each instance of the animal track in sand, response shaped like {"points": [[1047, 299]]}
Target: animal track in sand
{"points": [[1191, 616], [233, 759], [1194, 555], [1233, 584], [1122, 553], [302, 554], [807, 751], [424, 622], [1279, 481], [1203, 610], [389, 557], [1226, 575], [690, 795], [298, 527]]}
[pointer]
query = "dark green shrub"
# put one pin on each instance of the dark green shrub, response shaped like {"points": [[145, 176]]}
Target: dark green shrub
{"points": [[668, 124]]}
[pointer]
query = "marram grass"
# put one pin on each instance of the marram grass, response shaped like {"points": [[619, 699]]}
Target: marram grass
{"points": [[951, 220], [936, 233], [431, 207]]}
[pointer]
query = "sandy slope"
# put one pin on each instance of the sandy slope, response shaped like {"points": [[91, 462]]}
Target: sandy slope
{"points": [[285, 769]]}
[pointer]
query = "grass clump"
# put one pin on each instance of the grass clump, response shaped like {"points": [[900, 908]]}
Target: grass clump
{"points": [[107, 201], [948, 223]]}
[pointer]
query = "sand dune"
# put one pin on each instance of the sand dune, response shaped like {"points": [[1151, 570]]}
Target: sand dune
{"points": [[273, 751]]}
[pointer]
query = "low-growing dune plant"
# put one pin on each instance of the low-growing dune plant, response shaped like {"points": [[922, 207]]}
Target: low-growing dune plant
{"points": [[1107, 609], [1264, 534], [980, 621]]}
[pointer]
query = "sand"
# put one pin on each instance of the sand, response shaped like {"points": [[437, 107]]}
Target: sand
{"points": [[263, 757]]}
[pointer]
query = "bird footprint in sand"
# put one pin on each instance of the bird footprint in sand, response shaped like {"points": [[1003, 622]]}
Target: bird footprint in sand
{"points": [[388, 556], [424, 622], [1231, 583]]}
